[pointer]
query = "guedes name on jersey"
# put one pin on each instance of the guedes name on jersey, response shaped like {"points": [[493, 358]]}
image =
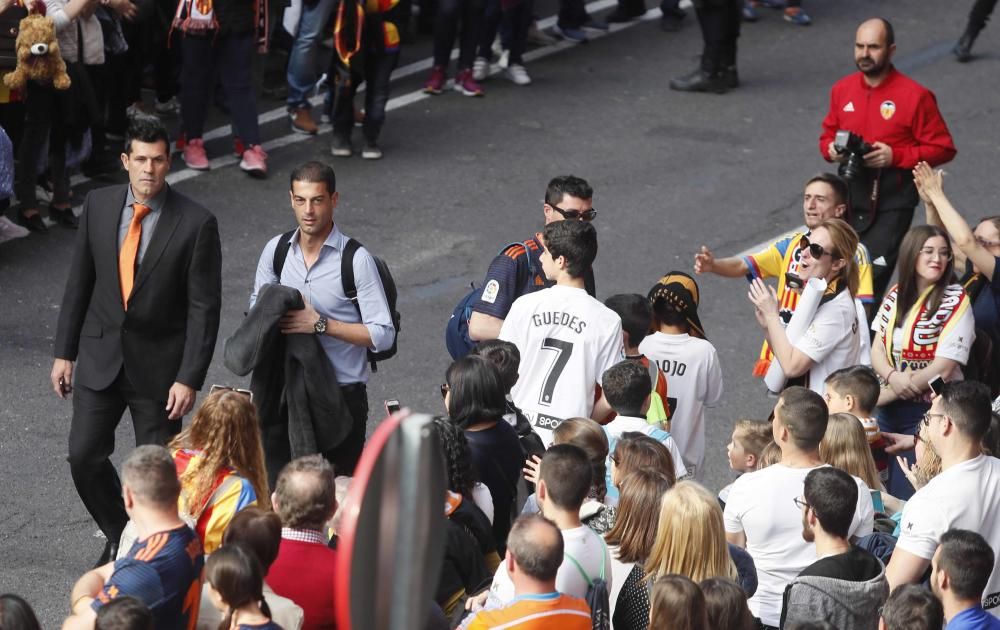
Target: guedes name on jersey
{"points": [[559, 318]]}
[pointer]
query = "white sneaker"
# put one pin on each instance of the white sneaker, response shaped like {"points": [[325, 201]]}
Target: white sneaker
{"points": [[504, 60], [141, 111], [518, 74], [169, 108], [480, 68], [10, 230]]}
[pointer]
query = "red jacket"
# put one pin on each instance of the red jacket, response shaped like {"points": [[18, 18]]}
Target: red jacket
{"points": [[899, 112]]}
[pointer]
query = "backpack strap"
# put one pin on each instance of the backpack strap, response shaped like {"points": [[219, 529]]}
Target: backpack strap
{"points": [[347, 272], [281, 253], [659, 435], [579, 567]]}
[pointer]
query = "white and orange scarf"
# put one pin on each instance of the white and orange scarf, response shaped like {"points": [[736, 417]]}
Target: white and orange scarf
{"points": [[922, 331]]}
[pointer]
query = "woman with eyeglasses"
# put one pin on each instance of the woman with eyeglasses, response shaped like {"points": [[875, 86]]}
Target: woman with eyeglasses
{"points": [[475, 401], [976, 251], [220, 461], [835, 338], [924, 328]]}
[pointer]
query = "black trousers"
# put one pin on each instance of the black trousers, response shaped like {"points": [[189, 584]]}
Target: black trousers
{"points": [[882, 240], [343, 458], [375, 71], [980, 14], [449, 14], [96, 414], [720, 28]]}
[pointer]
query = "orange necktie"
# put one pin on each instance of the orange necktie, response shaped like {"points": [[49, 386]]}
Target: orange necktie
{"points": [[129, 251]]}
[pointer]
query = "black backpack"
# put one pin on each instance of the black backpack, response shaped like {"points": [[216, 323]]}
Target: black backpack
{"points": [[456, 332], [351, 287]]}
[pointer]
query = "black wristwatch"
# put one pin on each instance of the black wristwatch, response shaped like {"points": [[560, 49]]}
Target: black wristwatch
{"points": [[320, 326]]}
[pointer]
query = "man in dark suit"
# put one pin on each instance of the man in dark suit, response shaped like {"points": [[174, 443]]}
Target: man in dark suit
{"points": [[140, 316]]}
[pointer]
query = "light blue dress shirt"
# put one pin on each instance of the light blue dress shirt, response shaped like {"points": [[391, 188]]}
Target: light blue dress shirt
{"points": [[321, 286]]}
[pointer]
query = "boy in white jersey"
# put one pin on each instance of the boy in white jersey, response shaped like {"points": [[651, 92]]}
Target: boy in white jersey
{"points": [[689, 362], [566, 338], [627, 389]]}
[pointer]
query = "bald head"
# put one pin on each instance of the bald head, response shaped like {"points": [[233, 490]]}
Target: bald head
{"points": [[537, 547], [874, 45], [877, 29]]}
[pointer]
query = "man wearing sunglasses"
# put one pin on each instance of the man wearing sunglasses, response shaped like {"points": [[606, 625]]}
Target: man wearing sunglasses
{"points": [[965, 495], [517, 270], [825, 197]]}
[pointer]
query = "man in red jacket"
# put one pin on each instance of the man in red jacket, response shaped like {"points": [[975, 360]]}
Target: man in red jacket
{"points": [[900, 119], [305, 498]]}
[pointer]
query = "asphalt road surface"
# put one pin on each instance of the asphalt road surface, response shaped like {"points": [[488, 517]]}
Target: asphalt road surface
{"points": [[462, 176]]}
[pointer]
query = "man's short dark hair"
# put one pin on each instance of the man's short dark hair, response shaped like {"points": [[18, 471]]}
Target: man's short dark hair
{"points": [[912, 607], [566, 472], [537, 546], [626, 386], [968, 404], [504, 355], [833, 496], [859, 381], [576, 241], [259, 531], [636, 314], [306, 493], [968, 560], [147, 131], [316, 173], [124, 613], [150, 473], [805, 414], [836, 183], [567, 185]]}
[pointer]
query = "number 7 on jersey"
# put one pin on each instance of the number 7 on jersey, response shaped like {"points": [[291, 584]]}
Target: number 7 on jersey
{"points": [[563, 350]]}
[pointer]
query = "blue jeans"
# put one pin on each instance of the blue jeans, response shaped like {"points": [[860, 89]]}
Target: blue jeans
{"points": [[901, 416], [302, 58]]}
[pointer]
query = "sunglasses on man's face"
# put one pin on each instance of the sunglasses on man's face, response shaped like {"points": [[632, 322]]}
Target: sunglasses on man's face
{"points": [[574, 215], [815, 250]]}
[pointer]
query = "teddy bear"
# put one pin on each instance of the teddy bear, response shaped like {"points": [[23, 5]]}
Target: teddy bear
{"points": [[38, 57]]}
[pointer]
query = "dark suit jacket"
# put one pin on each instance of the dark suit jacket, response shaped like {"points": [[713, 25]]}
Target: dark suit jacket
{"points": [[168, 333]]}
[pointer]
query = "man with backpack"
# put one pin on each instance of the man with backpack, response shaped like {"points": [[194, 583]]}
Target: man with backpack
{"points": [[534, 554], [585, 568], [517, 270], [352, 317]]}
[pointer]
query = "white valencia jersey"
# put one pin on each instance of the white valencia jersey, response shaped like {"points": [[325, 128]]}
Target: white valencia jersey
{"points": [[567, 340], [694, 381]]}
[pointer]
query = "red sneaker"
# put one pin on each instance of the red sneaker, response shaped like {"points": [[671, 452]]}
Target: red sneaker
{"points": [[194, 154], [254, 161], [465, 84], [435, 84]]}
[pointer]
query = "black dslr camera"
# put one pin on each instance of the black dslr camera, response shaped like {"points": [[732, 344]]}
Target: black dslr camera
{"points": [[855, 148]]}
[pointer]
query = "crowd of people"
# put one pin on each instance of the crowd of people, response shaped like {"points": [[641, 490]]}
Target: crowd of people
{"points": [[196, 54], [574, 429]]}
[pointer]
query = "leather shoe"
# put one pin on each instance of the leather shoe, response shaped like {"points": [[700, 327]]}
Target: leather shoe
{"points": [[33, 223], [64, 216], [963, 49], [700, 81], [108, 555]]}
